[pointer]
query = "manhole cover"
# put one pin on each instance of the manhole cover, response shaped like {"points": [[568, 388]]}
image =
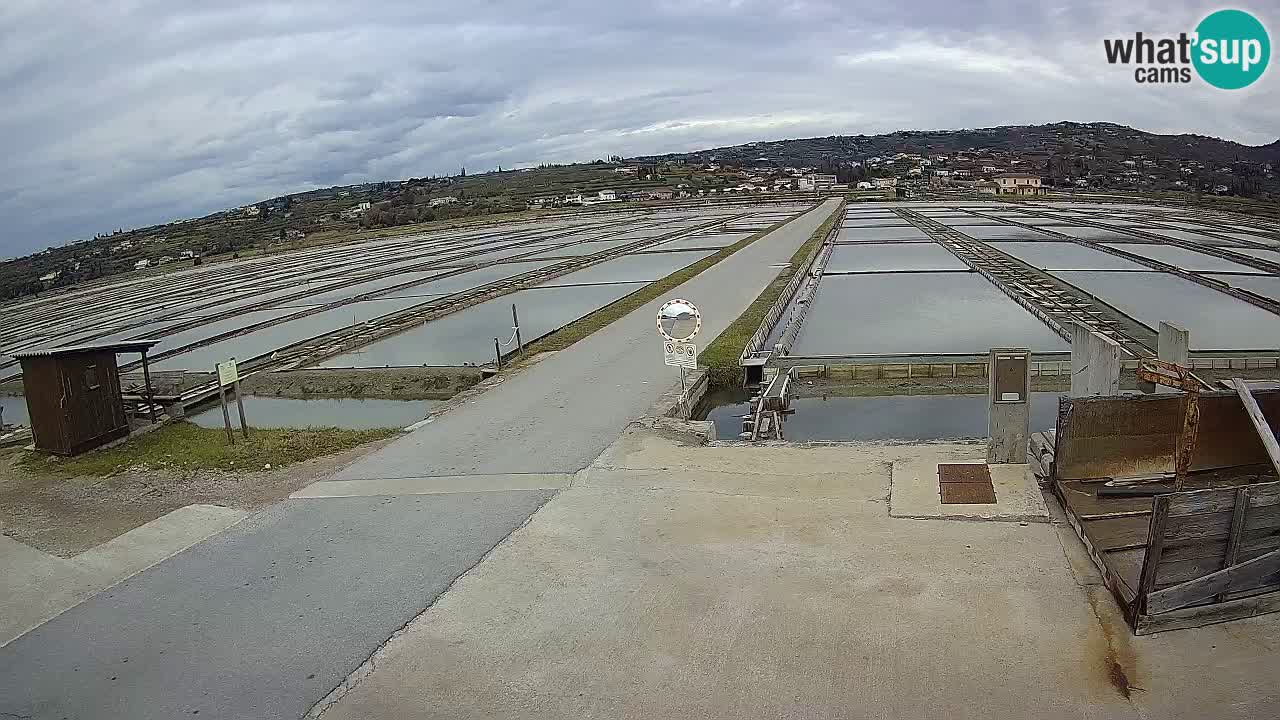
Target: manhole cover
{"points": [[967, 494], [964, 473], [965, 484]]}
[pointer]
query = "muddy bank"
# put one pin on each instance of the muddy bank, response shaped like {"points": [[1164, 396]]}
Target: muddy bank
{"points": [[426, 383], [372, 383]]}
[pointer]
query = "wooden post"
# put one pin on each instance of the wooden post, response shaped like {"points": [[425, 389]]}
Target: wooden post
{"points": [[244, 426], [226, 416], [146, 380], [515, 321], [1151, 559], [497, 351], [1259, 420], [1238, 517]]}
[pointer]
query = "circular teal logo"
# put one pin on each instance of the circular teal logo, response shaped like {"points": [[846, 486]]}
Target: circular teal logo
{"points": [[1232, 49]]}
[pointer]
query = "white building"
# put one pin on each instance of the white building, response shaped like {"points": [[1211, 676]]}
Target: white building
{"points": [[1020, 184], [142, 265], [822, 182], [882, 183], [607, 195], [446, 200]]}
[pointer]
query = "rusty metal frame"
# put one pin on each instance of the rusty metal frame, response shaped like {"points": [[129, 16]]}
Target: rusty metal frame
{"points": [[1176, 376]]}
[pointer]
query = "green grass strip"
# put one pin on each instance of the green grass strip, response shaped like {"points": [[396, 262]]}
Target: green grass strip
{"points": [[722, 355], [185, 446]]}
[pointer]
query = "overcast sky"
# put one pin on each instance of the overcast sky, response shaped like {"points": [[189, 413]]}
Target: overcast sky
{"points": [[122, 114]]}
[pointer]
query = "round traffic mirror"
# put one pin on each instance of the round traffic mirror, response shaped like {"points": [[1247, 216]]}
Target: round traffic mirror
{"points": [[679, 320]]}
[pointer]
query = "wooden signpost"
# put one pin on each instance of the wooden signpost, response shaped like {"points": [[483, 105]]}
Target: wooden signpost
{"points": [[229, 377]]}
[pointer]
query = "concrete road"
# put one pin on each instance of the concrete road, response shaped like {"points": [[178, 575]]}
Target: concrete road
{"points": [[263, 620], [558, 415]]}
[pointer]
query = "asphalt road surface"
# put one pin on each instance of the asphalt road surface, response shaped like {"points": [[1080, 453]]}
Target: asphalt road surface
{"points": [[263, 620]]}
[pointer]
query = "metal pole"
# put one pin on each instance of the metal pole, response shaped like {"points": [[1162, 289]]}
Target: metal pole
{"points": [[684, 395], [146, 379], [497, 351], [244, 426], [515, 320]]}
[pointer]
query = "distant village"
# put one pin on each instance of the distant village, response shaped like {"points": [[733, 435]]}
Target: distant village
{"points": [[1015, 160]]}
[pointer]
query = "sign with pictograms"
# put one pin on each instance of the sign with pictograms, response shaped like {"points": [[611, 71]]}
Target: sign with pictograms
{"points": [[680, 354]]}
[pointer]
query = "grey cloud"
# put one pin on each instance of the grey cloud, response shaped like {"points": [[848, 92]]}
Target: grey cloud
{"points": [[129, 113]]}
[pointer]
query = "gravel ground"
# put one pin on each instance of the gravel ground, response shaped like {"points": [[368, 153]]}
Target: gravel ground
{"points": [[66, 516]]}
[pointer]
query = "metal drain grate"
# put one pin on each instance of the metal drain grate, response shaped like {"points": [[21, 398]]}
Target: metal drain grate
{"points": [[965, 484]]}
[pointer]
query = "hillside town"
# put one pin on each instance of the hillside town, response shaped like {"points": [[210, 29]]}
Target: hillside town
{"points": [[1020, 161]]}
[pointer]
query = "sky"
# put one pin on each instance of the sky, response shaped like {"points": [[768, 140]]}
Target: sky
{"points": [[124, 114]]}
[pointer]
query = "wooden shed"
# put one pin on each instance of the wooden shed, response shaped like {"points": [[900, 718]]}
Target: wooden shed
{"points": [[73, 394]]}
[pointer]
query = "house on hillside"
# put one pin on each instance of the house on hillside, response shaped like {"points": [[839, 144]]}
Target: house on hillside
{"points": [[142, 265], [821, 182], [988, 187], [1016, 183], [446, 200]]}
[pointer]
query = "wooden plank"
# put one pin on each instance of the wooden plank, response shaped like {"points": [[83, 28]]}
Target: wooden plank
{"points": [[1237, 533], [1126, 564], [1236, 577], [1260, 424], [1194, 502], [1120, 590], [1208, 614], [1150, 563], [1204, 526], [1117, 533], [1082, 499]]}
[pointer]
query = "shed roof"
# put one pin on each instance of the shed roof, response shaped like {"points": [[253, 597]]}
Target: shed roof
{"points": [[119, 347]]}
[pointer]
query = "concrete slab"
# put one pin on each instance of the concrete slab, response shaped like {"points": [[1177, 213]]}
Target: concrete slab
{"points": [[676, 595], [434, 485], [914, 490], [36, 586]]}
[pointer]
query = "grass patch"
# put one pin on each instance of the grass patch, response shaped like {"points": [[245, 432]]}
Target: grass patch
{"points": [[185, 446], [722, 355], [575, 331]]}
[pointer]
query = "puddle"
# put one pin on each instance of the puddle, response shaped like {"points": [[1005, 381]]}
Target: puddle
{"points": [[888, 417], [349, 413]]}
